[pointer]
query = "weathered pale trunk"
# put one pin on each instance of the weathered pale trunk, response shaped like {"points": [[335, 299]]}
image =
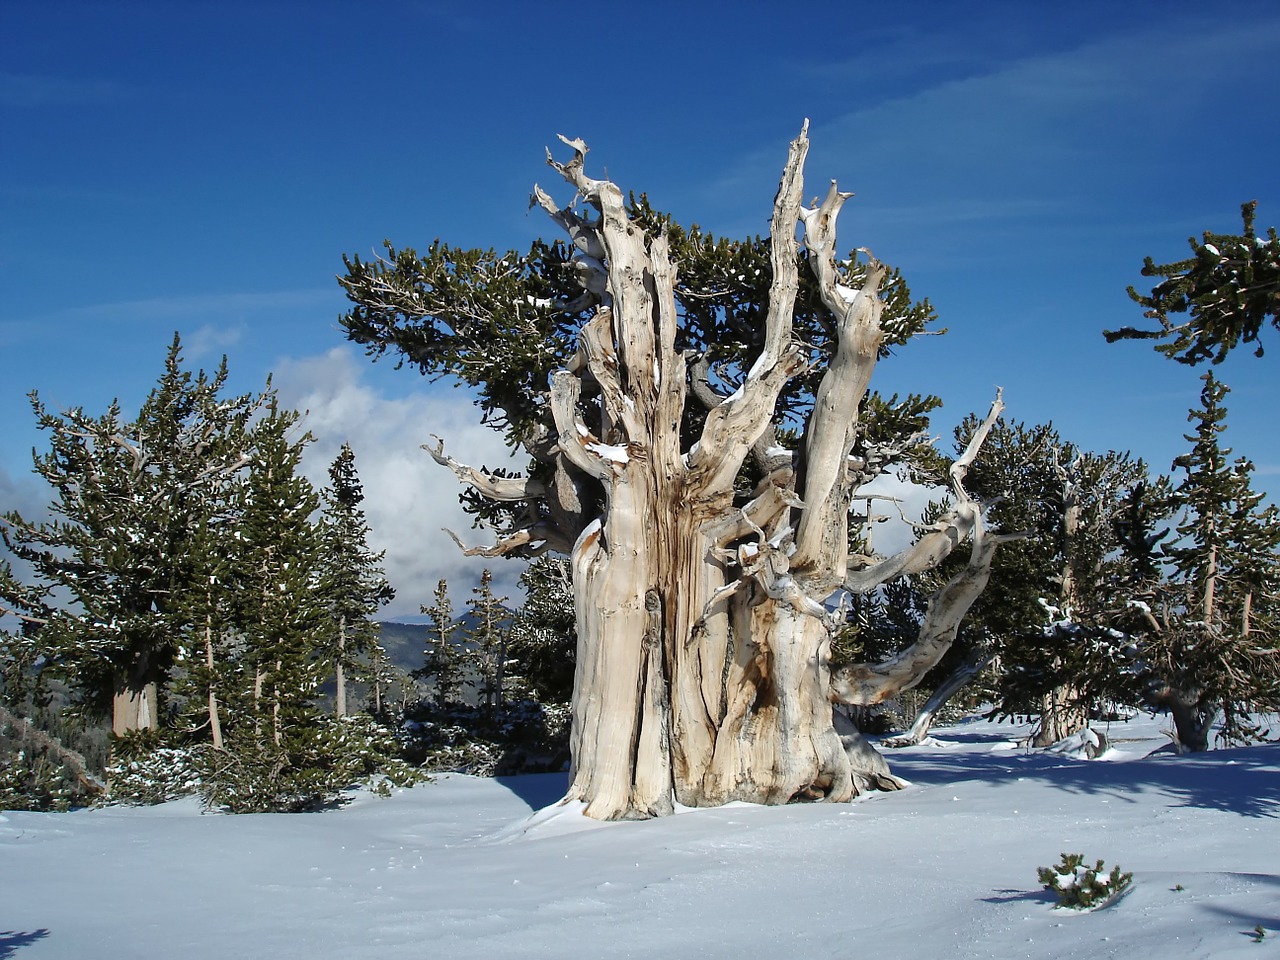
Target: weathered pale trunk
{"points": [[619, 735], [134, 703], [953, 684], [1061, 715], [777, 741], [340, 673], [215, 719]]}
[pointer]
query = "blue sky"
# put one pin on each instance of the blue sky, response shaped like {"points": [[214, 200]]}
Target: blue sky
{"points": [[203, 167]]}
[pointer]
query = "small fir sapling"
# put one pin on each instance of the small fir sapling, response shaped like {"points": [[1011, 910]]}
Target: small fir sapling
{"points": [[1081, 887]]}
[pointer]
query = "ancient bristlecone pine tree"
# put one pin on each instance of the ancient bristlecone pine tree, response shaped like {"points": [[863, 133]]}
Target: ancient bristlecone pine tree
{"points": [[706, 544]]}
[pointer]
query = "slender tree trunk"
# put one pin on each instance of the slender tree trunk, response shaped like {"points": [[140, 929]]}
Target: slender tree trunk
{"points": [[953, 684], [1193, 724], [275, 705], [1062, 713], [340, 696], [215, 721], [259, 679]]}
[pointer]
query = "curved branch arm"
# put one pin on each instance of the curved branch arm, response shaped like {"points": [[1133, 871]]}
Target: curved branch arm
{"points": [[627, 265], [820, 240], [584, 233], [960, 469], [865, 684], [925, 554], [821, 545], [736, 422], [595, 345], [505, 489], [573, 434], [950, 529], [771, 499]]}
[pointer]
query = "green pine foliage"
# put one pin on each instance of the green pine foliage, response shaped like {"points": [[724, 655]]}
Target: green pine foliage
{"points": [[30, 779], [544, 633], [1228, 288], [1081, 887], [352, 583], [208, 599], [1206, 619]]}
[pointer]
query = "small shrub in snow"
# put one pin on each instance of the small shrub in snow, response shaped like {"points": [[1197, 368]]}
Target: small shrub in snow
{"points": [[520, 737], [30, 780], [1081, 887], [145, 769], [308, 770]]}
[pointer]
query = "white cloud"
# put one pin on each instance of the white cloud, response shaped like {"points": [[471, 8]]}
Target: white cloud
{"points": [[408, 497], [211, 340]]}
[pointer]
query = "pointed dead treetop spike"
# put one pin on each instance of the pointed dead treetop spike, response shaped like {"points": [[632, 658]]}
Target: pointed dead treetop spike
{"points": [[576, 143]]}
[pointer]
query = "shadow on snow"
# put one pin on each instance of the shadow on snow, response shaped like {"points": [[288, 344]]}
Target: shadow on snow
{"points": [[1243, 780], [11, 941]]}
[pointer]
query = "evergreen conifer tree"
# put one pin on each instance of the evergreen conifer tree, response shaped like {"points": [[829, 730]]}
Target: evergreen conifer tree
{"points": [[543, 634], [1211, 638], [351, 581], [487, 637], [280, 611], [128, 497], [444, 662]]}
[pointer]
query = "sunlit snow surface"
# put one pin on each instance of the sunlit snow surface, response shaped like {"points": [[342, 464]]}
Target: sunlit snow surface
{"points": [[479, 868]]}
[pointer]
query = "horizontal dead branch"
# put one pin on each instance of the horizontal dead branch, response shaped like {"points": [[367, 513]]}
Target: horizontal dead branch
{"points": [[506, 489]]}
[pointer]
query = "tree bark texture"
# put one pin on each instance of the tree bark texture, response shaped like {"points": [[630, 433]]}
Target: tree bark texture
{"points": [[134, 703]]}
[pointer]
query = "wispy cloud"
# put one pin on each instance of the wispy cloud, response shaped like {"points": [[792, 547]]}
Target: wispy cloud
{"points": [[210, 340], [1049, 128], [218, 306], [32, 91]]}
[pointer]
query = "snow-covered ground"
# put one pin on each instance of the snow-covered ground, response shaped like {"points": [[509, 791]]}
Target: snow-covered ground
{"points": [[467, 867]]}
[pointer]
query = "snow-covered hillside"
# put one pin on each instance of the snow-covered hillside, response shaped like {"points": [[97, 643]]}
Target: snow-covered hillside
{"points": [[466, 867]]}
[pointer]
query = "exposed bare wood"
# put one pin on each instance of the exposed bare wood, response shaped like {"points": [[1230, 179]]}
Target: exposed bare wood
{"points": [[506, 489]]}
